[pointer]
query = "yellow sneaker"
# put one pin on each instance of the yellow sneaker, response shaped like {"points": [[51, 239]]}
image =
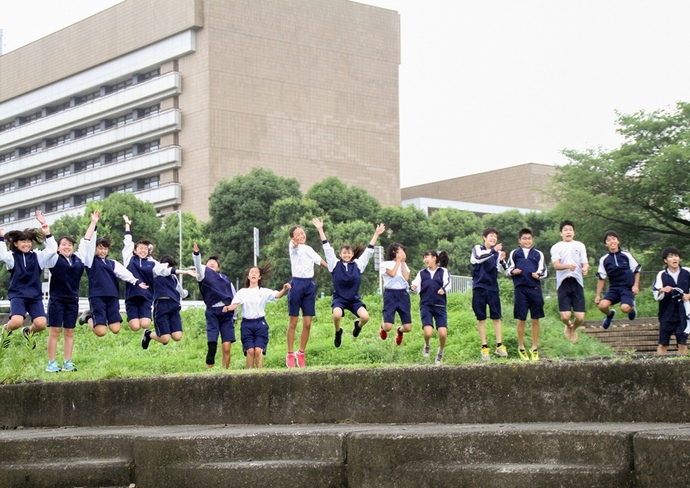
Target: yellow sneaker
{"points": [[485, 354], [502, 351], [535, 354], [523, 354]]}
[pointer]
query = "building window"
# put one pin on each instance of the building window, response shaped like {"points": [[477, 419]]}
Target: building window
{"points": [[58, 141], [51, 174], [5, 187], [7, 217], [123, 188], [90, 196], [25, 213], [29, 180], [6, 156], [149, 146], [147, 183], [6, 126], [58, 205]]}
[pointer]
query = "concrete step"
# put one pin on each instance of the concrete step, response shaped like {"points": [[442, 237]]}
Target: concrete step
{"points": [[373, 455]]}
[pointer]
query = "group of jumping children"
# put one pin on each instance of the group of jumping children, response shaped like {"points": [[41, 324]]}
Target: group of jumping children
{"points": [[153, 292]]}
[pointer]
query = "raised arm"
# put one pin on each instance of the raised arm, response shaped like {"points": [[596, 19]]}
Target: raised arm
{"points": [[49, 246], [200, 268]]}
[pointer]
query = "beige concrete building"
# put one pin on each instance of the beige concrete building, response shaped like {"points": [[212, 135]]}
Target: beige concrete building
{"points": [[165, 98], [517, 187]]}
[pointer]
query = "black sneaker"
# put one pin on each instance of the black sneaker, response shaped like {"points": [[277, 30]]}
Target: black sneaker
{"points": [[26, 332], [357, 329], [146, 339], [338, 337], [84, 318]]}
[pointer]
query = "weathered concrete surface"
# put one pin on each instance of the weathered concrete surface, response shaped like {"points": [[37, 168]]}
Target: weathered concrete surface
{"points": [[373, 455], [583, 391], [662, 458]]}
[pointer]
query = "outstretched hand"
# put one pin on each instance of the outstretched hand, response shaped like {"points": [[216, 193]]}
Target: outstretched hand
{"points": [[196, 248], [126, 219], [380, 229], [317, 223]]}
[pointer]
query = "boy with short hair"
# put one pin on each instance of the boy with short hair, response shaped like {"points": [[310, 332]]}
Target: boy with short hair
{"points": [[672, 291], [623, 272], [486, 260], [526, 266], [569, 259]]}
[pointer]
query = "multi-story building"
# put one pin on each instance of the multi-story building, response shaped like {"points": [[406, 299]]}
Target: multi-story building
{"points": [[164, 99]]}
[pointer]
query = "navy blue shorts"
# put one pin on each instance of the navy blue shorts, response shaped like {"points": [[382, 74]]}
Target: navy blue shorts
{"points": [[63, 312], [571, 296], [667, 329], [105, 310], [396, 301], [481, 298], [620, 295], [254, 333], [434, 314], [138, 307], [20, 306], [302, 296], [219, 323], [344, 305], [167, 317], [528, 299]]}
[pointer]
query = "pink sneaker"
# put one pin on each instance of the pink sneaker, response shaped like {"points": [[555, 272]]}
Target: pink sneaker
{"points": [[399, 337], [383, 334], [300, 359], [290, 360]]}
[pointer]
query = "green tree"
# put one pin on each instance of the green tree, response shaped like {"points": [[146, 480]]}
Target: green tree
{"points": [[639, 189], [342, 203], [508, 224], [239, 205], [193, 230], [410, 227], [450, 223]]}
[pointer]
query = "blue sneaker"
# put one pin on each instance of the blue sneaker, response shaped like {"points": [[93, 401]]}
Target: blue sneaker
{"points": [[69, 366], [52, 367], [607, 321], [632, 314]]}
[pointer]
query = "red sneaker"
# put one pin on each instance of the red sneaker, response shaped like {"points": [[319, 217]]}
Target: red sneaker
{"points": [[290, 360], [383, 334], [300, 359], [399, 337]]}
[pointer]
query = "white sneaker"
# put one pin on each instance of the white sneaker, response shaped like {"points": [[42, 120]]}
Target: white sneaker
{"points": [[426, 350], [439, 357]]}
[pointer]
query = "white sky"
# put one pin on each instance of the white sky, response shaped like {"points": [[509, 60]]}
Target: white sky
{"points": [[487, 84]]}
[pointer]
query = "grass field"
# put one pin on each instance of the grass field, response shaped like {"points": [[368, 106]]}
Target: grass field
{"points": [[121, 355]]}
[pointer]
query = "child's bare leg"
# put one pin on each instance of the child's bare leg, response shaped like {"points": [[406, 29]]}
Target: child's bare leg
{"points": [[258, 358], [428, 332], [521, 334], [53, 336], [134, 325], [442, 336], [661, 350], [337, 315], [292, 327], [579, 319], [387, 326], [38, 325], [250, 358], [406, 328], [99, 329], [306, 329], [535, 334], [226, 354], [15, 322], [114, 327], [498, 331], [481, 328], [683, 349], [363, 316], [605, 307]]}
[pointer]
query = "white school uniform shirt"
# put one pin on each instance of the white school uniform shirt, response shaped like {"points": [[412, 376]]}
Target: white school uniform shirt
{"points": [[254, 300], [397, 282], [302, 260], [332, 261], [573, 252]]}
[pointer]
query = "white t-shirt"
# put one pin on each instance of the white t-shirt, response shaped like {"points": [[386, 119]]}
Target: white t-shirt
{"points": [[572, 252], [254, 300], [397, 282]]}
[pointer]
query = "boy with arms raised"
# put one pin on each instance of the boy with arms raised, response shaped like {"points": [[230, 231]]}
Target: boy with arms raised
{"points": [[623, 273], [526, 266], [569, 259]]}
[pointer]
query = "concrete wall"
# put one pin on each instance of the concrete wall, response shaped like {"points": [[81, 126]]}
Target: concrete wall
{"points": [[615, 391]]}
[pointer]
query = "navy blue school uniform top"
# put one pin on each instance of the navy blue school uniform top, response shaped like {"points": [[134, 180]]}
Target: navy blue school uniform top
{"points": [[142, 269], [65, 273], [620, 268], [347, 277], [25, 268], [428, 285], [671, 309], [534, 262], [485, 265], [216, 288]]}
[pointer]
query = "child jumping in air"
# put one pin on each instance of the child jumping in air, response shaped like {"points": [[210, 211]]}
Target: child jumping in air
{"points": [[167, 293], [217, 292], [672, 291], [395, 297], [25, 265], [623, 272], [347, 275], [137, 259], [433, 284], [104, 290], [527, 268], [66, 269], [302, 294], [486, 261], [253, 299]]}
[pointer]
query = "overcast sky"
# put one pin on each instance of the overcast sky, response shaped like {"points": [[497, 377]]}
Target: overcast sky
{"points": [[487, 84]]}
